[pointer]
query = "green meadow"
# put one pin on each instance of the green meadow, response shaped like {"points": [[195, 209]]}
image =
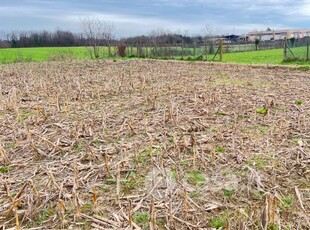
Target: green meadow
{"points": [[38, 54], [274, 56]]}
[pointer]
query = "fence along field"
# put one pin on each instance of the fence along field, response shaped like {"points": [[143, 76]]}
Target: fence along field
{"points": [[271, 52], [297, 50], [151, 144]]}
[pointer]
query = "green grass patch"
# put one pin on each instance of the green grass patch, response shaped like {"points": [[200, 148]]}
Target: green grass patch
{"points": [[257, 161], [195, 178], [105, 188], [257, 195], [194, 194], [262, 110], [228, 193], [298, 102], [141, 218], [272, 227], [43, 216], [133, 180], [96, 143], [287, 202], [219, 149], [5, 169], [219, 221]]}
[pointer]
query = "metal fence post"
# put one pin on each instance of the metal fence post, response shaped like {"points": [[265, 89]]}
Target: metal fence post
{"points": [[308, 48], [285, 50], [221, 50], [182, 57], [206, 51], [138, 53]]}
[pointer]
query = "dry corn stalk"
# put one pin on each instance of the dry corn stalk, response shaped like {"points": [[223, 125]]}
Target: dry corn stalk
{"points": [[298, 195], [265, 216], [12, 99], [1, 98], [75, 193], [131, 126], [5, 158], [194, 157], [14, 203], [16, 218], [75, 176], [130, 214], [152, 216], [61, 212], [185, 203], [118, 185], [170, 215], [34, 189], [106, 163], [77, 206], [52, 179], [269, 213], [58, 103], [95, 200]]}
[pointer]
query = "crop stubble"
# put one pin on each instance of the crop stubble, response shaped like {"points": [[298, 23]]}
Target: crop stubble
{"points": [[154, 144]]}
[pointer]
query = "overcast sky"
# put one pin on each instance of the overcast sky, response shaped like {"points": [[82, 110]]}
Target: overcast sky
{"points": [[132, 17]]}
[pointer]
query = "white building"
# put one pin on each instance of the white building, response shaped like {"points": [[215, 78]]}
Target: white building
{"points": [[278, 34]]}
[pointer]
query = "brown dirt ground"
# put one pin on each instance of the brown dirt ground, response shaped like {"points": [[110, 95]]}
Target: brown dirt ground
{"points": [[154, 145]]}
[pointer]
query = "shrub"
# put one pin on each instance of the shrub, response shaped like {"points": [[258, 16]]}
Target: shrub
{"points": [[121, 50]]}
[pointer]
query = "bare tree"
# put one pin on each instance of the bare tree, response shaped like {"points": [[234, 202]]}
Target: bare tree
{"points": [[210, 33], [257, 38], [2, 35], [3, 40], [96, 32]]}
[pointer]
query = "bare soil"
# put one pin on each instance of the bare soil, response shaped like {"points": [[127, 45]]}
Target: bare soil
{"points": [[154, 145]]}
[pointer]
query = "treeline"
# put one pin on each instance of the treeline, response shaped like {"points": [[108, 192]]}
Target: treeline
{"points": [[162, 39], [58, 38], [61, 38]]}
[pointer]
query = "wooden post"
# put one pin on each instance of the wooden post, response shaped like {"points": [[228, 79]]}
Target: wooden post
{"points": [[206, 50], [146, 51], [221, 50], [186, 50], [182, 50], [109, 48], [307, 49], [169, 51], [285, 50]]}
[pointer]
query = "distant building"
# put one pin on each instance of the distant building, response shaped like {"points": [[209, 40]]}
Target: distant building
{"points": [[232, 38], [278, 34]]}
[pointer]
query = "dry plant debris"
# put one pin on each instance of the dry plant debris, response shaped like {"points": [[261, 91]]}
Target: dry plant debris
{"points": [[146, 144]]}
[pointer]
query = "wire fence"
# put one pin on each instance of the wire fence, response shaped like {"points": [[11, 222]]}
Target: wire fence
{"points": [[174, 52], [293, 50], [206, 51], [251, 46], [297, 50]]}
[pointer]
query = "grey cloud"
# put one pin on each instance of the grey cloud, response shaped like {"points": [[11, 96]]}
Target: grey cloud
{"points": [[140, 16]]}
